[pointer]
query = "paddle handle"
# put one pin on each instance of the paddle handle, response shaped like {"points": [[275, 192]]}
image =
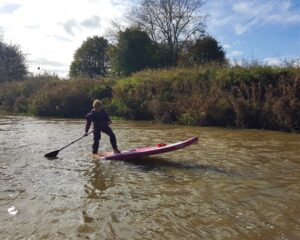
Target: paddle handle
{"points": [[76, 140]]}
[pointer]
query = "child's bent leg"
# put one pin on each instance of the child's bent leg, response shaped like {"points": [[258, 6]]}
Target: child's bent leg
{"points": [[97, 136]]}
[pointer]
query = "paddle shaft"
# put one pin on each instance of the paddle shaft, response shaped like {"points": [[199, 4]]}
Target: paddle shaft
{"points": [[75, 140]]}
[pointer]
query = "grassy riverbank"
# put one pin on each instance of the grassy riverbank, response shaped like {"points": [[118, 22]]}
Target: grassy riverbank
{"points": [[244, 97]]}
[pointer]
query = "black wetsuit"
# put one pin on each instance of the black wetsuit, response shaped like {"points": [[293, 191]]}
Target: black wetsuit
{"points": [[101, 122]]}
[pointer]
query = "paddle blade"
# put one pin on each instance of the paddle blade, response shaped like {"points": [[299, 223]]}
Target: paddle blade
{"points": [[52, 154]]}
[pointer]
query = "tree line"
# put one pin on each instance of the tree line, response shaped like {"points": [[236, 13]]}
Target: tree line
{"points": [[162, 34], [135, 51]]}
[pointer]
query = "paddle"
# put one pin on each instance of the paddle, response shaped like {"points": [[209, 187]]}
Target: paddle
{"points": [[54, 153]]}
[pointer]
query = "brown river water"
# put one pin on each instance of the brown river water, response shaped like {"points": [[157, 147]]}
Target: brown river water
{"points": [[232, 184]]}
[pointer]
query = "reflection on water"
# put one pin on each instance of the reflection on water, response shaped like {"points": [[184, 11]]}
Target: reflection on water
{"points": [[158, 163], [233, 184]]}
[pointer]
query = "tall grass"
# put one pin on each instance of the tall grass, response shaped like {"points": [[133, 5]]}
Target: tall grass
{"points": [[49, 96], [254, 97], [15, 96], [244, 97]]}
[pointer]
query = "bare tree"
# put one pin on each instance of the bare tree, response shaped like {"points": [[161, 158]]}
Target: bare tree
{"points": [[171, 22]]}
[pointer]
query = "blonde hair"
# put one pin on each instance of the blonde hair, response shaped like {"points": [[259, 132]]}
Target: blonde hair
{"points": [[97, 104]]}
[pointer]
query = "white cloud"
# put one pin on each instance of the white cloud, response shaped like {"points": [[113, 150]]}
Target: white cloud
{"points": [[226, 46], [6, 7], [44, 61], [71, 26], [240, 29], [92, 22], [52, 30], [241, 16], [283, 19], [236, 53], [241, 7]]}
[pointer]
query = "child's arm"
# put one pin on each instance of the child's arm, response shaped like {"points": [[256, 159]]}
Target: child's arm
{"points": [[88, 122], [107, 118]]}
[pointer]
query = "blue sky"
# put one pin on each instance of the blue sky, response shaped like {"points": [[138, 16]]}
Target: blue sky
{"points": [[50, 31], [267, 30]]}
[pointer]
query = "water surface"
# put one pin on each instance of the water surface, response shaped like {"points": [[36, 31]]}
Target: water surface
{"points": [[233, 184]]}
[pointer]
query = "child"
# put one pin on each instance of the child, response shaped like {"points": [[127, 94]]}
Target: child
{"points": [[101, 122]]}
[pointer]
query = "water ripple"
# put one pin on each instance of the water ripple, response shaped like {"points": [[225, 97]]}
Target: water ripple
{"points": [[233, 184]]}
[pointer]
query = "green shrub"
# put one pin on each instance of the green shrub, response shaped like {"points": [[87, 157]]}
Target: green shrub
{"points": [[14, 96], [244, 97], [251, 97]]}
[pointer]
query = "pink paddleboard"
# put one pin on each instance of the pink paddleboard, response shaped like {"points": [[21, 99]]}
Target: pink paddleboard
{"points": [[147, 151]]}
